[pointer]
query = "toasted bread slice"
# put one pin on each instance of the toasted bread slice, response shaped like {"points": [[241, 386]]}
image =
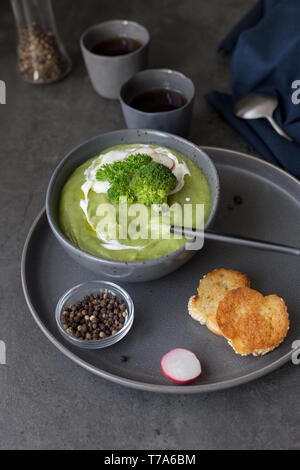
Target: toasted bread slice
{"points": [[212, 289], [252, 323]]}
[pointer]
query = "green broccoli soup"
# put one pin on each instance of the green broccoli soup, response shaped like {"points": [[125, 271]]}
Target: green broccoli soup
{"points": [[119, 205]]}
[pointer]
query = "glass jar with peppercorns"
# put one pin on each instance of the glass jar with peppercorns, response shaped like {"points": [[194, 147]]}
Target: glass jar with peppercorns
{"points": [[42, 57]]}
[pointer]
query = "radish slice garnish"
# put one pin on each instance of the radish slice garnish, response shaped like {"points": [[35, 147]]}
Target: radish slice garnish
{"points": [[164, 160], [181, 365]]}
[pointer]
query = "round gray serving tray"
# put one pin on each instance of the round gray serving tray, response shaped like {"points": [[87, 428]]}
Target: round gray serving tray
{"points": [[270, 210]]}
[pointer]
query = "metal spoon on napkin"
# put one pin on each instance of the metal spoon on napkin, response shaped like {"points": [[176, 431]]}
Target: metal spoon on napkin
{"points": [[259, 105], [236, 240]]}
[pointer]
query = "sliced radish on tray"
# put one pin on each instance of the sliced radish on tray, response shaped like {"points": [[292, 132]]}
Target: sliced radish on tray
{"points": [[181, 365]]}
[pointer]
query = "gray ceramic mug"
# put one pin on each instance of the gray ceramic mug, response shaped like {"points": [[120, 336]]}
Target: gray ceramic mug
{"points": [[108, 73], [176, 121]]}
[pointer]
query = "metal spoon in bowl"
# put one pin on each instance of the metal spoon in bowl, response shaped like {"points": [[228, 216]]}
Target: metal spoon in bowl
{"points": [[256, 106], [236, 240]]}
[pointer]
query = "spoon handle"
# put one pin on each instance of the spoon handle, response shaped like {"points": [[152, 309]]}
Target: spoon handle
{"points": [[278, 128], [237, 240]]}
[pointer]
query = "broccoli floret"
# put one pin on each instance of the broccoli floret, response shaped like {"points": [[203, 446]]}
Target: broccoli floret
{"points": [[138, 178], [136, 161], [119, 175], [116, 192], [152, 183], [121, 171], [111, 171]]}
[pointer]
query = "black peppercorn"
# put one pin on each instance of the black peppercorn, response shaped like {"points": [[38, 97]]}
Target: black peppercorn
{"points": [[105, 318]]}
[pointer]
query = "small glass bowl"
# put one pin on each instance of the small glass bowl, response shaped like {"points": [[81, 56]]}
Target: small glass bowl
{"points": [[76, 294]]}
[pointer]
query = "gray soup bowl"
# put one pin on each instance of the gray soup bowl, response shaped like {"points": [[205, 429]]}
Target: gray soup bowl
{"points": [[131, 271]]}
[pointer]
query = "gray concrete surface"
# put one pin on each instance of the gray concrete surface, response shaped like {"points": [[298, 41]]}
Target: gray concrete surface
{"points": [[46, 401]]}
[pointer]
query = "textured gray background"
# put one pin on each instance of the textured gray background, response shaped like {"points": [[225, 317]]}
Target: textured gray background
{"points": [[46, 401]]}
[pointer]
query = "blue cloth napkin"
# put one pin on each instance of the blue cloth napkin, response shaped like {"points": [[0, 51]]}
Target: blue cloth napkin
{"points": [[266, 59]]}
